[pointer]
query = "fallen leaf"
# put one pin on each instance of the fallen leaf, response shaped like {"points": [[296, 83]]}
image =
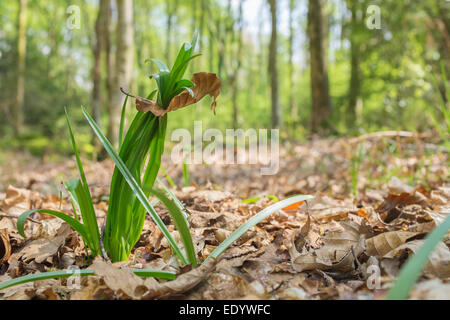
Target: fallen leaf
{"points": [[293, 206], [205, 83], [396, 186], [390, 207], [383, 243], [120, 281], [5, 246], [39, 250], [16, 201], [181, 284], [434, 289], [438, 261], [336, 252]]}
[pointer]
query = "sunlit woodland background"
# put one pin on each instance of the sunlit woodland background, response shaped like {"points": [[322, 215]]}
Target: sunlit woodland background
{"points": [[307, 67]]}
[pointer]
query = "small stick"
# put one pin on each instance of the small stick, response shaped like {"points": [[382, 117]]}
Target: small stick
{"points": [[14, 217], [126, 93]]}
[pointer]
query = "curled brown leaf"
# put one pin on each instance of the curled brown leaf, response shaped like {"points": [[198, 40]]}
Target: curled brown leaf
{"points": [[5, 246], [205, 84]]}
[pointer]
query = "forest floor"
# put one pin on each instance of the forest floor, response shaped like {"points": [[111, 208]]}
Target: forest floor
{"points": [[333, 247]]}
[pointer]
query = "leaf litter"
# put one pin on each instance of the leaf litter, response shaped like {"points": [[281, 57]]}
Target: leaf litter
{"points": [[322, 249]]}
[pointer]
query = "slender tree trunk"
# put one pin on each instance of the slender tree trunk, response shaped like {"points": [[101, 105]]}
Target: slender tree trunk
{"points": [[273, 69], [17, 108], [321, 103], [234, 78], [124, 63], [170, 15], [355, 73], [292, 103], [99, 47]]}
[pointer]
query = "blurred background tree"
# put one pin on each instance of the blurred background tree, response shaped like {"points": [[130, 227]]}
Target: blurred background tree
{"points": [[304, 66]]}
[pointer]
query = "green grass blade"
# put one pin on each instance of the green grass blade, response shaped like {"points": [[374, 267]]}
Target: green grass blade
{"points": [[87, 272], [253, 221], [169, 179], [75, 150], [161, 274], [70, 188], [134, 185], [122, 121], [77, 226], [172, 195], [180, 223], [185, 174], [44, 276], [162, 67], [89, 218], [413, 267]]}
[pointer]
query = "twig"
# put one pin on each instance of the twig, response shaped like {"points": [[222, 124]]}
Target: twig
{"points": [[14, 217], [102, 246], [126, 93], [386, 134]]}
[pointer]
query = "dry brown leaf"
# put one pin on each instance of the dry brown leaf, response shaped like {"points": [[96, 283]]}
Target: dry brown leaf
{"points": [[16, 201], [181, 284], [393, 202], [93, 288], [396, 186], [438, 261], [120, 281], [5, 246], [41, 249], [383, 243], [205, 83], [434, 289], [336, 253]]}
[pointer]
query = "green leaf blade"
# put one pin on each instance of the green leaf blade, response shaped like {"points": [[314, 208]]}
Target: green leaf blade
{"points": [[254, 221]]}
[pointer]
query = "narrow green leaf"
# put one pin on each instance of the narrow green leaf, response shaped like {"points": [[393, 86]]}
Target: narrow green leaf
{"points": [[172, 195], [134, 185], [44, 276], [77, 226], [250, 200], [122, 120], [169, 179], [413, 267], [75, 150], [253, 221], [86, 272], [185, 174], [161, 65], [180, 223], [161, 274]]}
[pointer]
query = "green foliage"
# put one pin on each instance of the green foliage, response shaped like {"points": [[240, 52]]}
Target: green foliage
{"points": [[355, 163], [443, 126]]}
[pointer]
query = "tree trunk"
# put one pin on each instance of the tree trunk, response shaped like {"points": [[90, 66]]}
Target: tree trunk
{"points": [[100, 36], [170, 15], [292, 103], [355, 73], [234, 78], [321, 103], [17, 109], [124, 61], [273, 69]]}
